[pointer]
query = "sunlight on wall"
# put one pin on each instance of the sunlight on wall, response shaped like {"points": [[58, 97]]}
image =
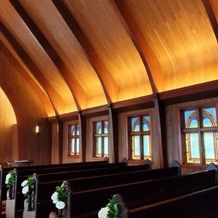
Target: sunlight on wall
{"points": [[7, 114]]}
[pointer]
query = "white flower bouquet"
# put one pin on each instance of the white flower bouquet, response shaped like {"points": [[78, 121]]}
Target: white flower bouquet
{"points": [[110, 211], [10, 182], [28, 186], [59, 197], [10, 179]]}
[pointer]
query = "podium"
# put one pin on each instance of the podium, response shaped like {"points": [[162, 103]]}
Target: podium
{"points": [[19, 163]]}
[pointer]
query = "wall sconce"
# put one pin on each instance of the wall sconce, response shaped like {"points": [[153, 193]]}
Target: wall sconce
{"points": [[37, 129]]}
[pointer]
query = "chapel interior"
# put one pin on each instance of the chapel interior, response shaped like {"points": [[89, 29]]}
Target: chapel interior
{"points": [[66, 64], [115, 82]]}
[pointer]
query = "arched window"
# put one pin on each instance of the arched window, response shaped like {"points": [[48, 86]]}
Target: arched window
{"points": [[140, 138], [100, 138], [200, 136], [73, 140]]}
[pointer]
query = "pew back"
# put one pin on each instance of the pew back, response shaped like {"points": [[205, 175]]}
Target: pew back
{"points": [[45, 190], [49, 181], [140, 193], [24, 172], [201, 204]]}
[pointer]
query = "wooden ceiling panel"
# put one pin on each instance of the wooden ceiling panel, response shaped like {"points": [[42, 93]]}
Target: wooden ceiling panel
{"points": [[16, 56], [100, 23], [69, 50], [51, 77], [87, 53], [21, 68], [182, 39]]}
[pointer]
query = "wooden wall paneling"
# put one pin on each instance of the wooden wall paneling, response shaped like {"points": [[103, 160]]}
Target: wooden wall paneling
{"points": [[173, 134], [89, 139], [8, 130], [123, 136], [54, 140], [61, 139], [28, 143]]}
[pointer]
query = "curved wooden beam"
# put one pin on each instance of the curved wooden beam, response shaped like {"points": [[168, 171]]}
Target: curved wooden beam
{"points": [[63, 69], [31, 65], [101, 70], [212, 17], [44, 98], [146, 55]]}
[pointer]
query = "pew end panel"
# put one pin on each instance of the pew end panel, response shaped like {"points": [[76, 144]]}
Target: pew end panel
{"points": [[115, 206], [175, 163], [212, 166], [11, 198], [44, 205]]}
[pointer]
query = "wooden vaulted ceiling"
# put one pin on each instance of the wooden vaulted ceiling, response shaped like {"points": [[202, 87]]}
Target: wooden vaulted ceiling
{"points": [[80, 54]]}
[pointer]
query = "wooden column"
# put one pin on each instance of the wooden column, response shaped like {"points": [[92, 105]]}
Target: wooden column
{"points": [[82, 123], [113, 120]]}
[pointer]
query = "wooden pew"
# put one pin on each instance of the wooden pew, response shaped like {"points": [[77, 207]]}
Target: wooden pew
{"points": [[46, 189], [55, 166], [26, 171], [109, 168], [200, 204], [50, 181], [88, 203], [60, 167], [130, 174]]}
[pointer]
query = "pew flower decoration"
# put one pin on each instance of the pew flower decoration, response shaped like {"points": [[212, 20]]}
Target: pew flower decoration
{"points": [[10, 179], [28, 186], [110, 211], [59, 197]]}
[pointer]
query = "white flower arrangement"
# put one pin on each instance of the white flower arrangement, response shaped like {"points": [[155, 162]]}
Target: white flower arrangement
{"points": [[28, 186], [10, 179], [110, 211], [103, 212], [59, 197]]}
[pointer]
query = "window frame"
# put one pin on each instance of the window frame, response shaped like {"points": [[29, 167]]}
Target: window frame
{"points": [[139, 133], [102, 136], [200, 130], [76, 139]]}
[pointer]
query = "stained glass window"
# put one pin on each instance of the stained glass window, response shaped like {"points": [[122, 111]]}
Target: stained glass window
{"points": [[73, 140], [201, 135], [191, 119], [209, 117], [140, 142], [101, 138]]}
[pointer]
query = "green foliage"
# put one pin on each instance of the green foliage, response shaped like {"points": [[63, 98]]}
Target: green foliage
{"points": [[62, 193], [28, 186], [113, 209], [31, 184], [10, 179]]}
